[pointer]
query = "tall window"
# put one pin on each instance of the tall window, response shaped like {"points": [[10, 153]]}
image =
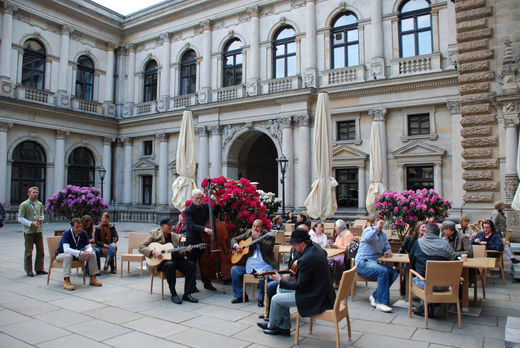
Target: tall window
{"points": [[146, 189], [284, 53], [33, 65], [147, 147], [415, 28], [345, 41], [419, 177], [188, 72], [85, 78], [82, 168], [28, 169], [232, 63], [346, 130], [347, 189], [150, 81], [419, 124]]}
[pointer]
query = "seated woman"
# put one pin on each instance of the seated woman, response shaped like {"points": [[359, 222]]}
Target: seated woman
{"points": [[490, 237], [343, 238], [301, 219], [290, 218], [106, 238], [278, 224], [317, 235], [406, 246], [88, 226]]}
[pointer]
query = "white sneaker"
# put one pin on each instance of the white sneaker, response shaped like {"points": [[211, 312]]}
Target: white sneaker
{"points": [[372, 301], [383, 308]]}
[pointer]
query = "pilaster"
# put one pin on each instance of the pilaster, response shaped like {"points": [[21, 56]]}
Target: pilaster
{"points": [[59, 160], [4, 127], [127, 171], [163, 169], [303, 167], [62, 97], [215, 151], [6, 80], [253, 82], [286, 124], [107, 164], [379, 115], [202, 153]]}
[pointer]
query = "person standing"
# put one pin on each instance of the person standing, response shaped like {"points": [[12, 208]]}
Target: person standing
{"points": [[30, 215]]}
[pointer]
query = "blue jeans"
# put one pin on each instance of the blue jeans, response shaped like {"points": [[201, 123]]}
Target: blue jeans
{"points": [[111, 251], [237, 277], [384, 274], [279, 314], [420, 284]]}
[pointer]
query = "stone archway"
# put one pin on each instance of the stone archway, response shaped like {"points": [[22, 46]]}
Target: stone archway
{"points": [[253, 155]]}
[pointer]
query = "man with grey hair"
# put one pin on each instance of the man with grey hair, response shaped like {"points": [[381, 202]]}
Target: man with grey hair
{"points": [[460, 243]]}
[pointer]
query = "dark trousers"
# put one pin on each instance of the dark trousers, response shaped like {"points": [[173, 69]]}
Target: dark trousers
{"points": [[30, 240], [185, 266], [194, 256]]}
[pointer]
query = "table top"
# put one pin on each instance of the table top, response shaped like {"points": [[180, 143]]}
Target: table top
{"points": [[396, 258], [286, 249], [479, 262]]}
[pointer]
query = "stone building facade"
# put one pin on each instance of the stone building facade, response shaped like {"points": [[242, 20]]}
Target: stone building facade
{"points": [[84, 88]]}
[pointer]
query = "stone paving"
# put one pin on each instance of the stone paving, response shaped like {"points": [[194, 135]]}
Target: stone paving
{"points": [[123, 313]]}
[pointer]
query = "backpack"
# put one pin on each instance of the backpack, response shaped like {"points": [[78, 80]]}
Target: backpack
{"points": [[350, 253]]}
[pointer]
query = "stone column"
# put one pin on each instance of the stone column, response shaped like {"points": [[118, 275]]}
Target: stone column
{"points": [[453, 107], [108, 104], [379, 116], [303, 169], [164, 95], [400, 178], [4, 126], [215, 151], [310, 76], [127, 171], [162, 181], [63, 94], [253, 83], [128, 109], [511, 121], [204, 94], [202, 152], [377, 61], [118, 172], [437, 177], [107, 163], [288, 150], [6, 80], [362, 194], [59, 161]]}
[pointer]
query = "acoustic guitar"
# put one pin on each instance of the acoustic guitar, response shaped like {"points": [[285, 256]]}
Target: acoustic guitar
{"points": [[236, 256], [166, 251]]}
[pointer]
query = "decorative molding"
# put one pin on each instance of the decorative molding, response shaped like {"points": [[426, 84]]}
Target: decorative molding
{"points": [[510, 186], [9, 8], [127, 141], [61, 134], [244, 17], [22, 17], [52, 27], [453, 106], [162, 137], [214, 130], [163, 39], [253, 11], [266, 11], [378, 114], [201, 131], [509, 76], [76, 36], [228, 132], [285, 122], [298, 3], [177, 37], [273, 128], [108, 140], [480, 197], [4, 126], [303, 120], [309, 80]]}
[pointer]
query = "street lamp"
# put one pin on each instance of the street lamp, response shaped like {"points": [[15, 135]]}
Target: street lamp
{"points": [[282, 161], [102, 173]]}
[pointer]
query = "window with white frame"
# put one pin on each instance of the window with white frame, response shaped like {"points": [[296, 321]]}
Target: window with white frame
{"points": [[348, 187], [146, 189], [419, 123], [147, 147], [345, 41], [346, 129], [419, 177], [415, 28], [284, 52]]}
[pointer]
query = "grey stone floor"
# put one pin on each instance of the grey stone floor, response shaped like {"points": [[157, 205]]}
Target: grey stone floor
{"points": [[123, 313]]}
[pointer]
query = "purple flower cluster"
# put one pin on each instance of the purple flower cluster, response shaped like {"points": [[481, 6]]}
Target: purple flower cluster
{"points": [[74, 201], [408, 208]]}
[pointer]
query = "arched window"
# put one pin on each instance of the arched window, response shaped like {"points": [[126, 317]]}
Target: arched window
{"points": [[33, 65], [188, 72], [284, 53], [28, 169], [81, 168], [150, 81], [232, 63], [415, 28], [345, 41], [85, 79]]}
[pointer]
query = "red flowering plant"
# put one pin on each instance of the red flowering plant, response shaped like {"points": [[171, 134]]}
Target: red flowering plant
{"points": [[239, 202], [406, 209]]}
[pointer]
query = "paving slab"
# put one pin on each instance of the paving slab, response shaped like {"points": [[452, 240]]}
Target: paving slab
{"points": [[76, 341], [77, 304], [30, 307], [201, 339], [170, 312], [11, 342], [457, 340], [493, 343], [8, 317], [62, 317], [378, 341], [33, 331], [114, 315], [392, 330], [155, 327], [480, 330], [215, 325], [98, 329], [443, 324], [139, 340]]}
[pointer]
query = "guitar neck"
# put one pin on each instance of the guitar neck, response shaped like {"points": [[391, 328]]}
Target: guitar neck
{"points": [[196, 246], [257, 240]]}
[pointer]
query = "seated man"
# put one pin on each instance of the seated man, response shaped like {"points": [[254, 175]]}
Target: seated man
{"points": [[372, 246], [260, 259], [75, 245], [429, 247], [459, 242], [163, 235], [313, 290], [490, 237]]}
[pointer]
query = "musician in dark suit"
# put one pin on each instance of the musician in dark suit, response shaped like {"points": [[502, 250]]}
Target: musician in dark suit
{"points": [[163, 235], [260, 259], [314, 292]]}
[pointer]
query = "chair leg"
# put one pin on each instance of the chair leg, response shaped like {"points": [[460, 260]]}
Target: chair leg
{"points": [[84, 273], [353, 290], [141, 268], [151, 283], [337, 334], [310, 324], [459, 315], [502, 271], [347, 317], [483, 281], [162, 288], [243, 291], [475, 291], [425, 315], [410, 293], [128, 267], [122, 268], [297, 338]]}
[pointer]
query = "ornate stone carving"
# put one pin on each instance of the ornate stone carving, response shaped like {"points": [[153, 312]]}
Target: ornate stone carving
{"points": [[478, 142], [244, 17], [478, 197], [480, 164], [9, 7], [509, 108], [163, 38], [177, 37], [303, 120], [4, 126], [254, 11], [61, 134], [266, 11], [127, 141], [453, 106], [201, 131], [22, 16], [511, 121], [6, 88], [76, 36], [203, 96], [476, 153], [477, 175], [297, 3], [62, 99], [108, 140], [273, 128], [214, 130], [285, 122], [227, 133], [510, 186], [480, 186], [252, 88], [475, 131], [513, 218], [128, 110], [377, 114], [162, 137], [452, 55], [309, 80], [509, 76]]}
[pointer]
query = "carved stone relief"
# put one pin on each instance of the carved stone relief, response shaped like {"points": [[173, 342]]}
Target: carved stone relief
{"points": [[478, 197], [510, 186], [228, 132]]}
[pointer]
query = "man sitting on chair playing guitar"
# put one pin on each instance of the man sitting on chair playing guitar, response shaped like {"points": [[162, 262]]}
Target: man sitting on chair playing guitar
{"points": [[163, 235], [259, 259]]}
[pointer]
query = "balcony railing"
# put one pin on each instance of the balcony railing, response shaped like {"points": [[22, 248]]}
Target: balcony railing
{"points": [[282, 84], [145, 108], [35, 95], [229, 93], [183, 101], [86, 106], [416, 65], [349, 74]]}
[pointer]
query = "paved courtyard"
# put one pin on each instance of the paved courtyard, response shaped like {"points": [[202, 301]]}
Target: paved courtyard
{"points": [[123, 313]]}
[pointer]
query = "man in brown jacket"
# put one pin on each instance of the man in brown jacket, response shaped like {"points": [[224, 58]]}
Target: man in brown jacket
{"points": [[163, 235], [460, 242]]}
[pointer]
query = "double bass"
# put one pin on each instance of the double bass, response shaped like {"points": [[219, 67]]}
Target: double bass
{"points": [[215, 262]]}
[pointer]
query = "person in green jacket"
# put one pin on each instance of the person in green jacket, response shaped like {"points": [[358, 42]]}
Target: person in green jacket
{"points": [[30, 215]]}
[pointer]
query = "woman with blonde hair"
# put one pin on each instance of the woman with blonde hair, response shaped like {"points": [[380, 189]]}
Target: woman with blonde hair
{"points": [[278, 224], [317, 235]]}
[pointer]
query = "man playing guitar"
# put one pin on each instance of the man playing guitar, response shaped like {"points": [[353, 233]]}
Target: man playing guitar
{"points": [[163, 235]]}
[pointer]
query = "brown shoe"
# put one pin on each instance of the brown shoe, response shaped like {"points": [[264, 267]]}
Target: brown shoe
{"points": [[94, 282], [67, 285]]}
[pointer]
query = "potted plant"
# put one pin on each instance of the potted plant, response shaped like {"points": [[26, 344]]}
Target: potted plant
{"points": [[406, 209], [270, 201]]}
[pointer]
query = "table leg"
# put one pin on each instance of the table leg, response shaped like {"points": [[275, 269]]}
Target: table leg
{"points": [[465, 288]]}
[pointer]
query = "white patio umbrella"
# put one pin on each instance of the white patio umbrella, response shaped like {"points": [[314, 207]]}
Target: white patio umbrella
{"points": [[516, 200], [186, 163], [321, 202], [376, 167]]}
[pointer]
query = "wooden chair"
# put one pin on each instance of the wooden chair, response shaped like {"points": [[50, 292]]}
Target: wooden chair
{"points": [[360, 223], [479, 251], [328, 229], [289, 227], [357, 231], [251, 279], [389, 234], [279, 238], [162, 275], [340, 309], [499, 256], [134, 240], [52, 245], [438, 273], [358, 278]]}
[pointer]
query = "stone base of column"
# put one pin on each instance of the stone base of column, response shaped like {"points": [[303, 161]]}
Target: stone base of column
{"points": [[163, 103], [377, 68], [109, 109], [128, 110], [310, 79], [204, 95], [6, 87], [62, 100], [510, 185], [253, 88]]}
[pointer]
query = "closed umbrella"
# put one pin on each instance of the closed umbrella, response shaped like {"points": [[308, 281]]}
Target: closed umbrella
{"points": [[516, 200], [321, 202], [376, 167], [186, 163]]}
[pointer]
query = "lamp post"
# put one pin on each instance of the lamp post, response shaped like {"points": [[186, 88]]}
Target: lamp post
{"points": [[102, 173], [282, 161]]}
